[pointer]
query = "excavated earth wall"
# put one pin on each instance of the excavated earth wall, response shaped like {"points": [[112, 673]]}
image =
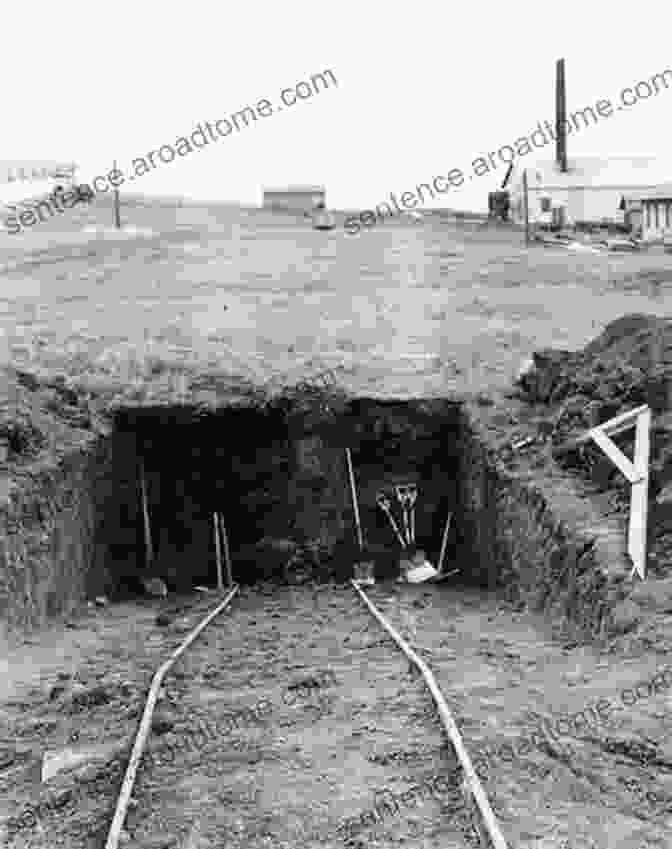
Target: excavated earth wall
{"points": [[523, 524]]}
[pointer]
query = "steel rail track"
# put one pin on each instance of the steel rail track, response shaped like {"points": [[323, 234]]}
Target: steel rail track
{"points": [[146, 722], [475, 800]]}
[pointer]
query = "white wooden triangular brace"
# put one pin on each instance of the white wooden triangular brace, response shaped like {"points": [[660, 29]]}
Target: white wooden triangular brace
{"points": [[637, 473]]}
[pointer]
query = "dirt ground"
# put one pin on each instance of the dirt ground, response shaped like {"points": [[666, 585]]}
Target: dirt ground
{"points": [[308, 763], [403, 310]]}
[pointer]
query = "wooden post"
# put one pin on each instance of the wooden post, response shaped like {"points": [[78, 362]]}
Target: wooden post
{"points": [[527, 209], [149, 550], [117, 206], [444, 542], [639, 498], [218, 553], [355, 506], [636, 473], [227, 555]]}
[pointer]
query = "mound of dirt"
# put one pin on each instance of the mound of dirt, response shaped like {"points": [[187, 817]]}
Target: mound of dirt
{"points": [[627, 365]]}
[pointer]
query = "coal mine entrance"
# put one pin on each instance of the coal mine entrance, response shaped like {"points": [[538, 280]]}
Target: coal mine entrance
{"points": [[278, 476]]}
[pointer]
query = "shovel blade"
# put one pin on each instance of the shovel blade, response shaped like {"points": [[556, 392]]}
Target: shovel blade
{"points": [[420, 574]]}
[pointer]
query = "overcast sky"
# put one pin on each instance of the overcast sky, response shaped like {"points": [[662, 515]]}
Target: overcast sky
{"points": [[423, 87]]}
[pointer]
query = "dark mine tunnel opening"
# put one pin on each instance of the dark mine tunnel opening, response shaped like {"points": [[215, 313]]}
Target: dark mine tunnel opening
{"points": [[278, 475]]}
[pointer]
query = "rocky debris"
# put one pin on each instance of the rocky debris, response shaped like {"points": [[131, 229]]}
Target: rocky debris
{"points": [[163, 620], [160, 841], [291, 562], [155, 587], [87, 757], [539, 378], [308, 562], [641, 752], [654, 595], [10, 755], [80, 696], [56, 692], [324, 678], [162, 722]]}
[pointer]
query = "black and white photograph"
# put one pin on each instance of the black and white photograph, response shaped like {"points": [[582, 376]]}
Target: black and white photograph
{"points": [[335, 426]]}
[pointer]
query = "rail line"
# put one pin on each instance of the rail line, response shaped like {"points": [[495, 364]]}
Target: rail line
{"points": [[145, 724], [486, 823], [472, 797]]}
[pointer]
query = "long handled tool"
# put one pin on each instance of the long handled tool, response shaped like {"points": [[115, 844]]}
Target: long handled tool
{"points": [[218, 553], [444, 542], [353, 492], [386, 506], [418, 570], [363, 571], [227, 554], [406, 496], [149, 550]]}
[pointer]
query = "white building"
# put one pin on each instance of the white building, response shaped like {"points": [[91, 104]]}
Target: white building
{"points": [[295, 198], [591, 190], [656, 214]]}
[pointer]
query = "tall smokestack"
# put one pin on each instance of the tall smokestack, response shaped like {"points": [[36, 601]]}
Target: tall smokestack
{"points": [[560, 116]]}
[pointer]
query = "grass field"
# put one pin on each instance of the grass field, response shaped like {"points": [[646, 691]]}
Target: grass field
{"points": [[407, 308]]}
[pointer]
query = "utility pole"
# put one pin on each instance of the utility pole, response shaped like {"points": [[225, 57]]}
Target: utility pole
{"points": [[117, 210], [527, 210]]}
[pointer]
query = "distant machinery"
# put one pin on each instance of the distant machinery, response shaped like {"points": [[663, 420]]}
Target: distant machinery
{"points": [[499, 202]]}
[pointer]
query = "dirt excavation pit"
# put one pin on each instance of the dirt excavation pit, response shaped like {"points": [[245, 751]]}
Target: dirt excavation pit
{"points": [[278, 475], [274, 467], [533, 529]]}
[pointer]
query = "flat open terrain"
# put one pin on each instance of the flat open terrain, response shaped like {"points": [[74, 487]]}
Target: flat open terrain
{"points": [[405, 308]]}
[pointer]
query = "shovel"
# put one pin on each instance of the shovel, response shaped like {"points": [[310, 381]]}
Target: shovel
{"points": [[421, 569], [417, 570], [406, 496], [404, 564], [364, 570]]}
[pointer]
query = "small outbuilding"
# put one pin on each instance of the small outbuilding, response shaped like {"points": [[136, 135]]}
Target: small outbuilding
{"points": [[631, 206], [296, 198]]}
